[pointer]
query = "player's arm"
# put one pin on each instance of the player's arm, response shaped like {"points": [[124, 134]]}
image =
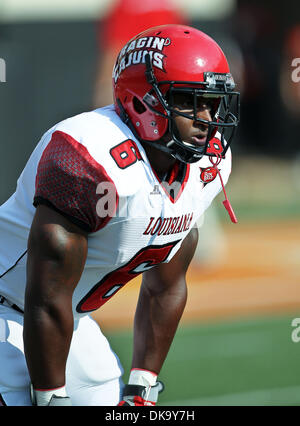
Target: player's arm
{"points": [[160, 306], [57, 251]]}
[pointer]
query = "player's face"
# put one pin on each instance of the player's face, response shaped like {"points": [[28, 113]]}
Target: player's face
{"points": [[190, 130]]}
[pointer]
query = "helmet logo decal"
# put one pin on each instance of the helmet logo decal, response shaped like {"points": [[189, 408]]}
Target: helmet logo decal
{"points": [[135, 51]]}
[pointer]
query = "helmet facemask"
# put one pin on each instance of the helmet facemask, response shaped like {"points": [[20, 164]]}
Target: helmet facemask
{"points": [[219, 89]]}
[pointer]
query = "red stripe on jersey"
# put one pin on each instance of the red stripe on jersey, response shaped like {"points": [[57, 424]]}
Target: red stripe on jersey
{"points": [[174, 173], [175, 182], [68, 177]]}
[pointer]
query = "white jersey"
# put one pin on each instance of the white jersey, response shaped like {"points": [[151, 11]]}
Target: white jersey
{"points": [[94, 171]]}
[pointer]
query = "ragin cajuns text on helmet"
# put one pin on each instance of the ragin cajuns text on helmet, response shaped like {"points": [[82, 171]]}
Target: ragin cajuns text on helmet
{"points": [[162, 62]]}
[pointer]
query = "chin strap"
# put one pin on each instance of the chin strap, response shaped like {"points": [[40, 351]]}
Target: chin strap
{"points": [[215, 162]]}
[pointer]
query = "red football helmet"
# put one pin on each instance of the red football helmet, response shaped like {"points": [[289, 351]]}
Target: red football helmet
{"points": [[158, 64]]}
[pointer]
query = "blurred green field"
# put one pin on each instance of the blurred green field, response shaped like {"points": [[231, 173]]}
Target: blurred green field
{"points": [[249, 361]]}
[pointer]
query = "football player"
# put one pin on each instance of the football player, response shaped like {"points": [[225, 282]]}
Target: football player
{"points": [[107, 195]]}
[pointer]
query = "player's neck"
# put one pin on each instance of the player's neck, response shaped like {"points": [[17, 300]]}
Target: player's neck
{"points": [[160, 161]]}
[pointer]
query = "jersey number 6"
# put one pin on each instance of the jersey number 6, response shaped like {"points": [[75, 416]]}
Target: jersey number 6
{"points": [[125, 154], [109, 285]]}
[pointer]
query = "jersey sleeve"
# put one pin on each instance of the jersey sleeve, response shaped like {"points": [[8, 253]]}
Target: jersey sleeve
{"points": [[67, 180]]}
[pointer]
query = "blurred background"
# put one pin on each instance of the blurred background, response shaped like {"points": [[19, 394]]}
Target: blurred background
{"points": [[234, 345]]}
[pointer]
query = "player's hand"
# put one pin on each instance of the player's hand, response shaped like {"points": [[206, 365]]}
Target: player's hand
{"points": [[137, 395]]}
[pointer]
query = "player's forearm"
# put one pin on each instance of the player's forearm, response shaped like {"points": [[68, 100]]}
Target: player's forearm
{"points": [[156, 320], [55, 259], [48, 329]]}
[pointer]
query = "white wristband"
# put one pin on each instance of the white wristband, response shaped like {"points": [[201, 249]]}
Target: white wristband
{"points": [[43, 397], [142, 377]]}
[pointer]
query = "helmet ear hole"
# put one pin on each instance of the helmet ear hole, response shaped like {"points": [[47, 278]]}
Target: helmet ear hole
{"points": [[138, 106]]}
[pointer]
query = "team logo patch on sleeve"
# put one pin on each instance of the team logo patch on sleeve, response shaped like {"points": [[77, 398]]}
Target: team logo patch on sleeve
{"points": [[208, 174]]}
